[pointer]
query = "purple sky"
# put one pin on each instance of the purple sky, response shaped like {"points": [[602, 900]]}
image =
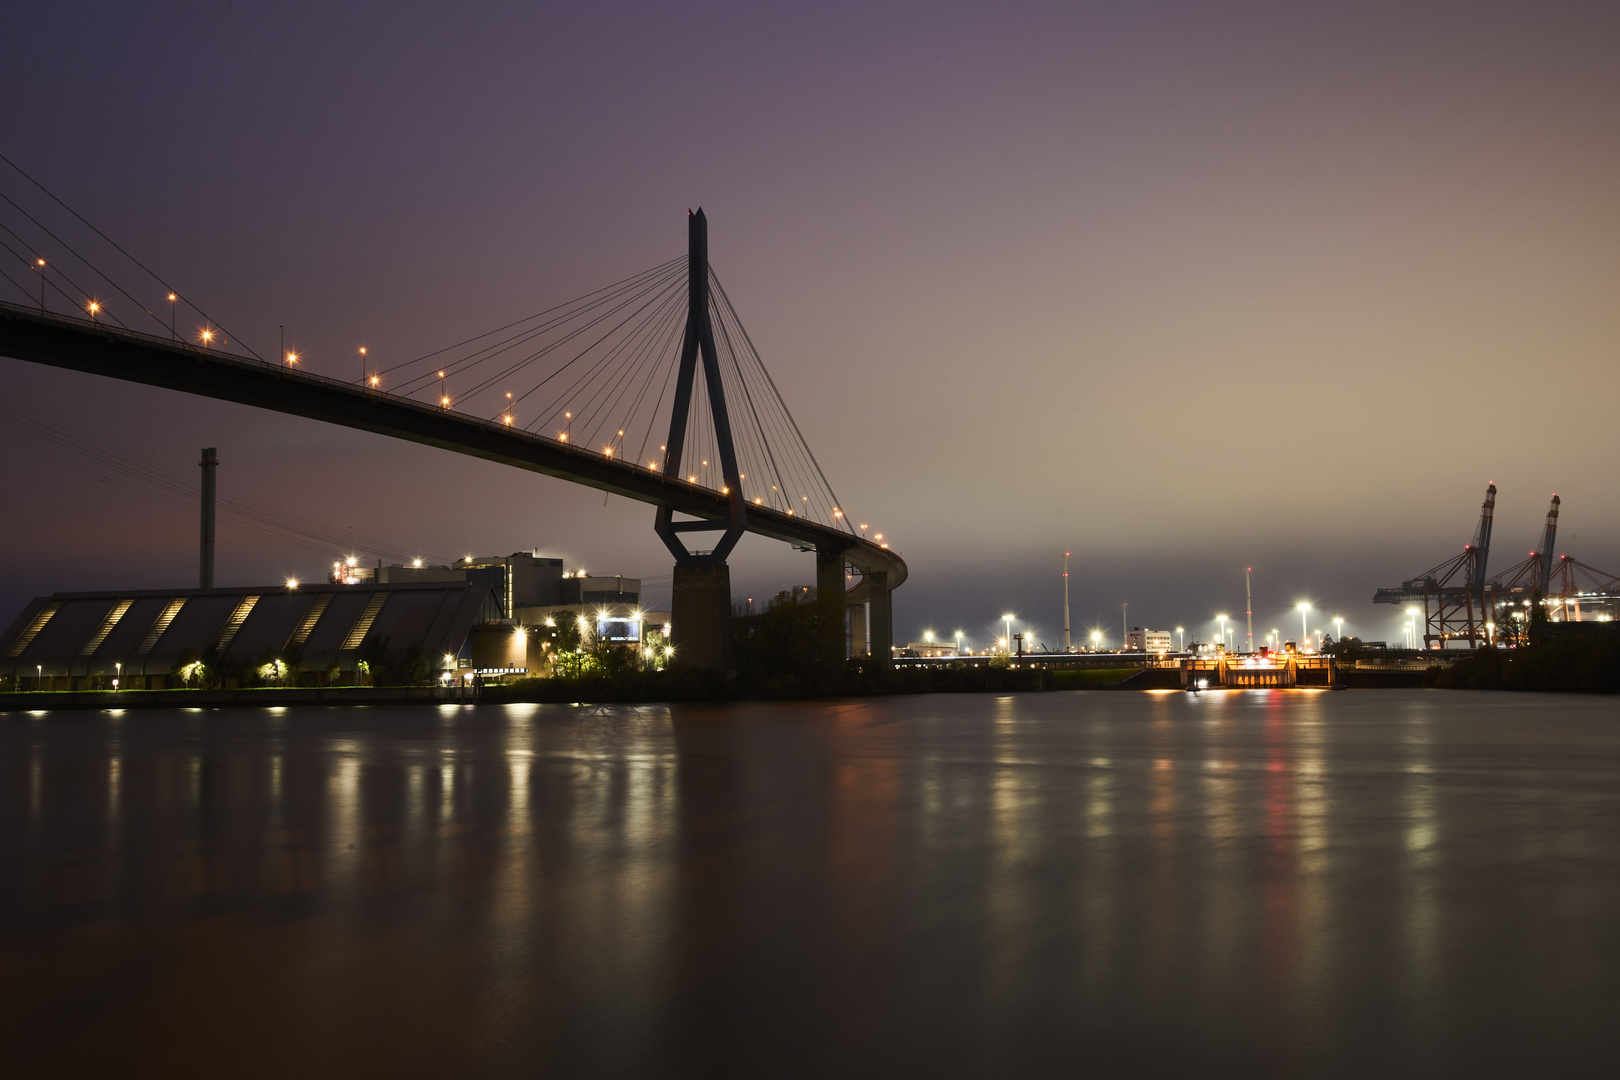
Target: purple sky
{"points": [[1177, 287]]}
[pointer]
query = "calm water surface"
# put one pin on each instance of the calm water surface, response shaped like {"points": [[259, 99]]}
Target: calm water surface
{"points": [[1266, 883]]}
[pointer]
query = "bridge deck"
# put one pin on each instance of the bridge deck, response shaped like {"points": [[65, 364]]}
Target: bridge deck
{"points": [[74, 344]]}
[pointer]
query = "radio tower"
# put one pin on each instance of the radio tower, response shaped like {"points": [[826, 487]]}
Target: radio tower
{"points": [[1248, 602], [1066, 601]]}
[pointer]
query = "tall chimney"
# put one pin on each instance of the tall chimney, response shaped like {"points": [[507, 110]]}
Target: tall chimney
{"points": [[205, 566]]}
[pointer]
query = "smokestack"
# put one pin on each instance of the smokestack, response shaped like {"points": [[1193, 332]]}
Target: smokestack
{"points": [[205, 564]]}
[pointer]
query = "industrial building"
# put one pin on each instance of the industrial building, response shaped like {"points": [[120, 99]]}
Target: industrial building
{"points": [[306, 634], [1139, 639], [478, 617], [531, 590], [610, 606], [927, 650], [522, 579]]}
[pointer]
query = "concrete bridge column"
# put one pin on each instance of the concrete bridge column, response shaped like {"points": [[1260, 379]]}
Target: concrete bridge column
{"points": [[881, 614], [700, 618], [830, 610], [857, 630]]}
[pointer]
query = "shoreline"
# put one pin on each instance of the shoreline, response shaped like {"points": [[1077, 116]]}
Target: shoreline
{"points": [[359, 697]]}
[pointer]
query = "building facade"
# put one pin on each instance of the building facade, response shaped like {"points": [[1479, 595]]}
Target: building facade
{"points": [[301, 634], [1139, 639]]}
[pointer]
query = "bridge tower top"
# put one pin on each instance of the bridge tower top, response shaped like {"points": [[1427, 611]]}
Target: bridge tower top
{"points": [[698, 344]]}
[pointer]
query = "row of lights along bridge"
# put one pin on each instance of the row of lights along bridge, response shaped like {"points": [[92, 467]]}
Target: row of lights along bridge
{"points": [[207, 336]]}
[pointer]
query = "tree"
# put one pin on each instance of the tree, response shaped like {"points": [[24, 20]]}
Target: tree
{"points": [[1538, 619], [409, 669], [776, 649], [1509, 630]]}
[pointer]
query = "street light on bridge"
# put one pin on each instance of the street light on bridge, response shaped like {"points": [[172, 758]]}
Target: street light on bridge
{"points": [[1304, 631]]}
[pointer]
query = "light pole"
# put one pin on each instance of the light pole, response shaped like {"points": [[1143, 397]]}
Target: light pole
{"points": [[1304, 626], [172, 306], [1248, 605], [959, 643], [1417, 640], [1222, 619], [1338, 629], [118, 674], [1096, 636], [1065, 601], [1008, 619], [1181, 640], [41, 264]]}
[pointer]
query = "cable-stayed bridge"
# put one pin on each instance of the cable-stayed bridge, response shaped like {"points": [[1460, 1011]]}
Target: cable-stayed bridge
{"points": [[649, 388]]}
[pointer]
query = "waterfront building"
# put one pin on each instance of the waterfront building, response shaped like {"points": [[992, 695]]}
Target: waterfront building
{"points": [[1139, 639], [288, 634]]}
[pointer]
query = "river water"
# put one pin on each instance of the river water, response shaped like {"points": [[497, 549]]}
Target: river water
{"points": [[1267, 883]]}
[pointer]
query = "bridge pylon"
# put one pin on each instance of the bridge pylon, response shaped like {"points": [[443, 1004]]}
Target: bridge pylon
{"points": [[700, 602]]}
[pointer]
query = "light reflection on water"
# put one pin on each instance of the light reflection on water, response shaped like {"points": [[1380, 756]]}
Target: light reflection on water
{"points": [[1255, 880]]}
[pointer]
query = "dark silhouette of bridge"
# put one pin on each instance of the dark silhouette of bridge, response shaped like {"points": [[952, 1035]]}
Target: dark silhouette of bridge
{"points": [[689, 502]]}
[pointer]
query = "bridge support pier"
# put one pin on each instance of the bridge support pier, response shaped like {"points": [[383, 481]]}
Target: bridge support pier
{"points": [[881, 614], [857, 630], [700, 618], [830, 610]]}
